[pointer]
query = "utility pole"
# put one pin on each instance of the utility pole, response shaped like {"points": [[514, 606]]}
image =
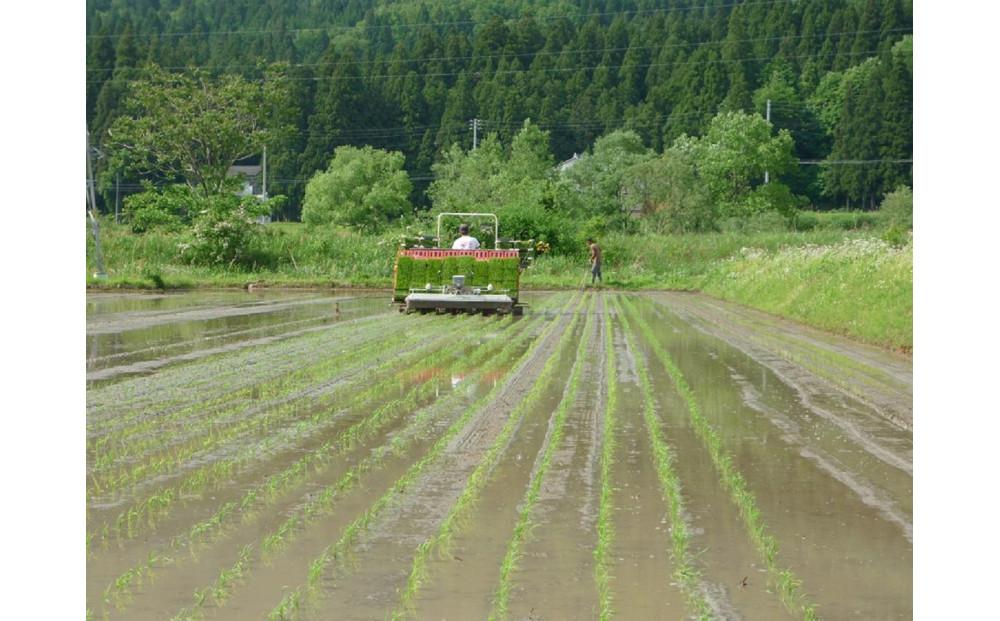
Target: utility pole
{"points": [[474, 124], [768, 117], [94, 227], [117, 194], [264, 174]]}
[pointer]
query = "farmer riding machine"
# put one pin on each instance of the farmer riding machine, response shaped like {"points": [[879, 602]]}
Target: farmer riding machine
{"points": [[431, 277]]}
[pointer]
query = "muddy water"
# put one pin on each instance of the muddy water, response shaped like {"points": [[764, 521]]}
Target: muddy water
{"points": [[136, 333], [832, 480], [462, 580], [828, 463]]}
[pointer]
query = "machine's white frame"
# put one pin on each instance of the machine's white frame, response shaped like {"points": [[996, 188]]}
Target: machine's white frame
{"points": [[496, 225]]}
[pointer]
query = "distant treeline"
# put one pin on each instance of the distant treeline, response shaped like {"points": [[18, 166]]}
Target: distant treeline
{"points": [[411, 75]]}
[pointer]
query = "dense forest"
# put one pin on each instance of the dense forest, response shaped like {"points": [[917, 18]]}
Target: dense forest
{"points": [[415, 76]]}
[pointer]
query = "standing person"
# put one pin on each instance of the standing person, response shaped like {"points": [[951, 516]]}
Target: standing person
{"points": [[595, 261], [465, 241]]}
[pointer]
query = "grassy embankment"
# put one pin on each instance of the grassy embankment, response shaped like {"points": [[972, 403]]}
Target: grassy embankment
{"points": [[838, 278]]}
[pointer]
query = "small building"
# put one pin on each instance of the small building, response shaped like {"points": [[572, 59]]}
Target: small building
{"points": [[567, 164], [252, 179], [253, 183]]}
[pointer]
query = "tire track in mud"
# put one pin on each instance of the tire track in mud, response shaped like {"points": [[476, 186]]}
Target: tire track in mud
{"points": [[835, 432], [847, 553], [814, 362], [866, 491], [869, 431]]}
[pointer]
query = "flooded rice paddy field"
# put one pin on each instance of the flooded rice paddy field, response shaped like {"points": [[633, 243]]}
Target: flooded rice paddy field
{"points": [[638, 456]]}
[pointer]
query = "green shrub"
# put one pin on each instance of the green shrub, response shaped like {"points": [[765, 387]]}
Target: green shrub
{"points": [[804, 221], [226, 233], [897, 208], [763, 222], [169, 209]]}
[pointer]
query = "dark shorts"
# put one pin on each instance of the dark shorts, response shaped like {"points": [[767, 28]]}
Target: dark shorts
{"points": [[595, 269]]}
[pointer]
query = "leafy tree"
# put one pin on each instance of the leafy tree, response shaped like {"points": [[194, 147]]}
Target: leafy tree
{"points": [[673, 198], [363, 188], [731, 159], [598, 175], [190, 128]]}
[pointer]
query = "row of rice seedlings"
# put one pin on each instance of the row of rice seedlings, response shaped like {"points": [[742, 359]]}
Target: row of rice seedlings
{"points": [[123, 438], [788, 586], [155, 435], [135, 441], [605, 522], [215, 434], [484, 361], [292, 603], [685, 572], [480, 476], [289, 407], [144, 513], [261, 495], [113, 404], [522, 528], [322, 502]]}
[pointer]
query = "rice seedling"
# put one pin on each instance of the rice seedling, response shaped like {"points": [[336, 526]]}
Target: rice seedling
{"points": [[289, 606], [125, 403], [322, 500], [501, 596], [605, 524], [205, 476], [788, 587], [685, 572], [165, 464], [480, 475]]}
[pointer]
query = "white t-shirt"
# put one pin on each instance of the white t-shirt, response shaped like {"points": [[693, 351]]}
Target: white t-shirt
{"points": [[465, 242]]}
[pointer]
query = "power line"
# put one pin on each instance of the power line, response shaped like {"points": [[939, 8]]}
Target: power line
{"points": [[530, 70], [422, 24], [542, 53], [852, 162]]}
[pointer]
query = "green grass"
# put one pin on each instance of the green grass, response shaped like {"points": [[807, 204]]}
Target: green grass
{"points": [[862, 288], [837, 275]]}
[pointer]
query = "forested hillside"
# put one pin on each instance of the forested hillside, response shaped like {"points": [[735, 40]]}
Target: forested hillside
{"points": [[412, 75]]}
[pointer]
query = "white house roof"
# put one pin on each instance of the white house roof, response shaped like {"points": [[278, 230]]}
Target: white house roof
{"points": [[561, 166]]}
